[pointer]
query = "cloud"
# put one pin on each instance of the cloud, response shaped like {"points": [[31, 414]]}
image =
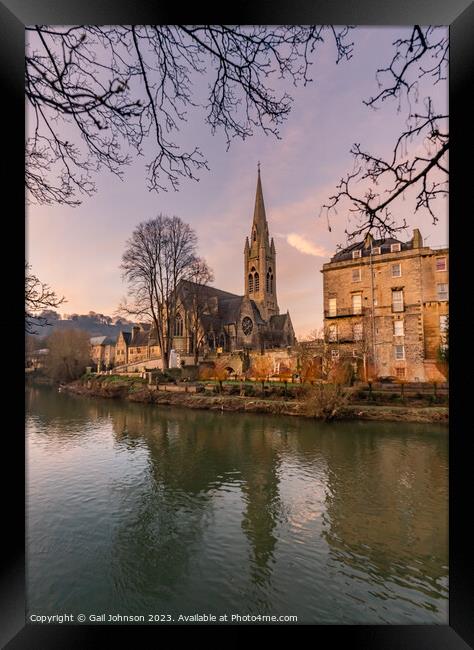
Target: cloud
{"points": [[304, 246]]}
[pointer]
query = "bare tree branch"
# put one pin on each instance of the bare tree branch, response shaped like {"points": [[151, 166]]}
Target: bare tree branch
{"points": [[38, 298], [424, 53], [160, 253], [96, 93]]}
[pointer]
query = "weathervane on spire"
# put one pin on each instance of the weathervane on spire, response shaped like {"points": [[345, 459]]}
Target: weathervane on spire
{"points": [[258, 166]]}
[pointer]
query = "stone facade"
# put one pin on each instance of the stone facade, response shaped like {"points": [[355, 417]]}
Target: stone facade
{"points": [[230, 322], [121, 348], [102, 352], [227, 322], [387, 302]]}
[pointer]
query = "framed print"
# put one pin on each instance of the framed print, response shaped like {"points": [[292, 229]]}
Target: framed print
{"points": [[237, 391]]}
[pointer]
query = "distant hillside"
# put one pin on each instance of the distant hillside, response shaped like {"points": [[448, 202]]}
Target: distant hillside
{"points": [[93, 324]]}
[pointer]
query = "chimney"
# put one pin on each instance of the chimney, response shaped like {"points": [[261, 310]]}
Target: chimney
{"points": [[417, 239], [135, 330], [368, 240]]}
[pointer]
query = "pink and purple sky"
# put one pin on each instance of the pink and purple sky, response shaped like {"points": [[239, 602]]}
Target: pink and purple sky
{"points": [[78, 250]]}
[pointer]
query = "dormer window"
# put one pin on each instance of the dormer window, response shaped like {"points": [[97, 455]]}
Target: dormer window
{"points": [[395, 248], [356, 254], [376, 250]]}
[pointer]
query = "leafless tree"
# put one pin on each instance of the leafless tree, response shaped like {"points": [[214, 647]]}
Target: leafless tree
{"points": [[69, 354], [97, 93], [193, 293], [38, 298], [419, 157], [158, 256]]}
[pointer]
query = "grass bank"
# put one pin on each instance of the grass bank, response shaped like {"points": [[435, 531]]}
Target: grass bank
{"points": [[136, 390]]}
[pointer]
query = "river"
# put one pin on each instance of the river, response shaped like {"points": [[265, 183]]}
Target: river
{"points": [[134, 509]]}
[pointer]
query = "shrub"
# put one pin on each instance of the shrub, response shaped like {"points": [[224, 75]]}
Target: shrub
{"points": [[325, 401], [173, 374]]}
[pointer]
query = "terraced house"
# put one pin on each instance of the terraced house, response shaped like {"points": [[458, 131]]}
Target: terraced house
{"points": [[102, 351], [386, 304]]}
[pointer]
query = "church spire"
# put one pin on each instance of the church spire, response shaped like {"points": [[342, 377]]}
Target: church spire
{"points": [[259, 216]]}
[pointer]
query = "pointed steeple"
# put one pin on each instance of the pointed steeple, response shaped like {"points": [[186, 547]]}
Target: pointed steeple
{"points": [[259, 216], [260, 260]]}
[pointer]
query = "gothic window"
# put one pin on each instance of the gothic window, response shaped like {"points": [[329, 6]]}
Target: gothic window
{"points": [[250, 283], [247, 325], [255, 235], [270, 281], [178, 326], [257, 282], [211, 341]]}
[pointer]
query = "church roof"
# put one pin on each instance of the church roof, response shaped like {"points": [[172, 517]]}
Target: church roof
{"points": [[258, 318], [229, 309], [207, 291], [277, 321]]}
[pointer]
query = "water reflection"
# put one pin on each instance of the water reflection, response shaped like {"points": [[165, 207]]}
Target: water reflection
{"points": [[196, 510]]}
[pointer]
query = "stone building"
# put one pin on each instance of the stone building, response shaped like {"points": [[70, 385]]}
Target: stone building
{"points": [[227, 322], [103, 351], [121, 348], [138, 345], [230, 322], [386, 303]]}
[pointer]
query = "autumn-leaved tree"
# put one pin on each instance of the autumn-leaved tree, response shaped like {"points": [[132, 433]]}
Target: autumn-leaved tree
{"points": [[220, 373], [261, 369], [159, 255]]}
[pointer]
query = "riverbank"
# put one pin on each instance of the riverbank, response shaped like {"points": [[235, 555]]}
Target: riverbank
{"points": [[140, 392]]}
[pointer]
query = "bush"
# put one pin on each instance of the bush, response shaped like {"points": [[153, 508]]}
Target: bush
{"points": [[325, 401], [173, 374]]}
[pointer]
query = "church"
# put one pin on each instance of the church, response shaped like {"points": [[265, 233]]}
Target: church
{"points": [[230, 322], [227, 322]]}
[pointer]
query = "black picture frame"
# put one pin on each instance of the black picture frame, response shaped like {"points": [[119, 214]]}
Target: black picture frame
{"points": [[459, 15]]}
